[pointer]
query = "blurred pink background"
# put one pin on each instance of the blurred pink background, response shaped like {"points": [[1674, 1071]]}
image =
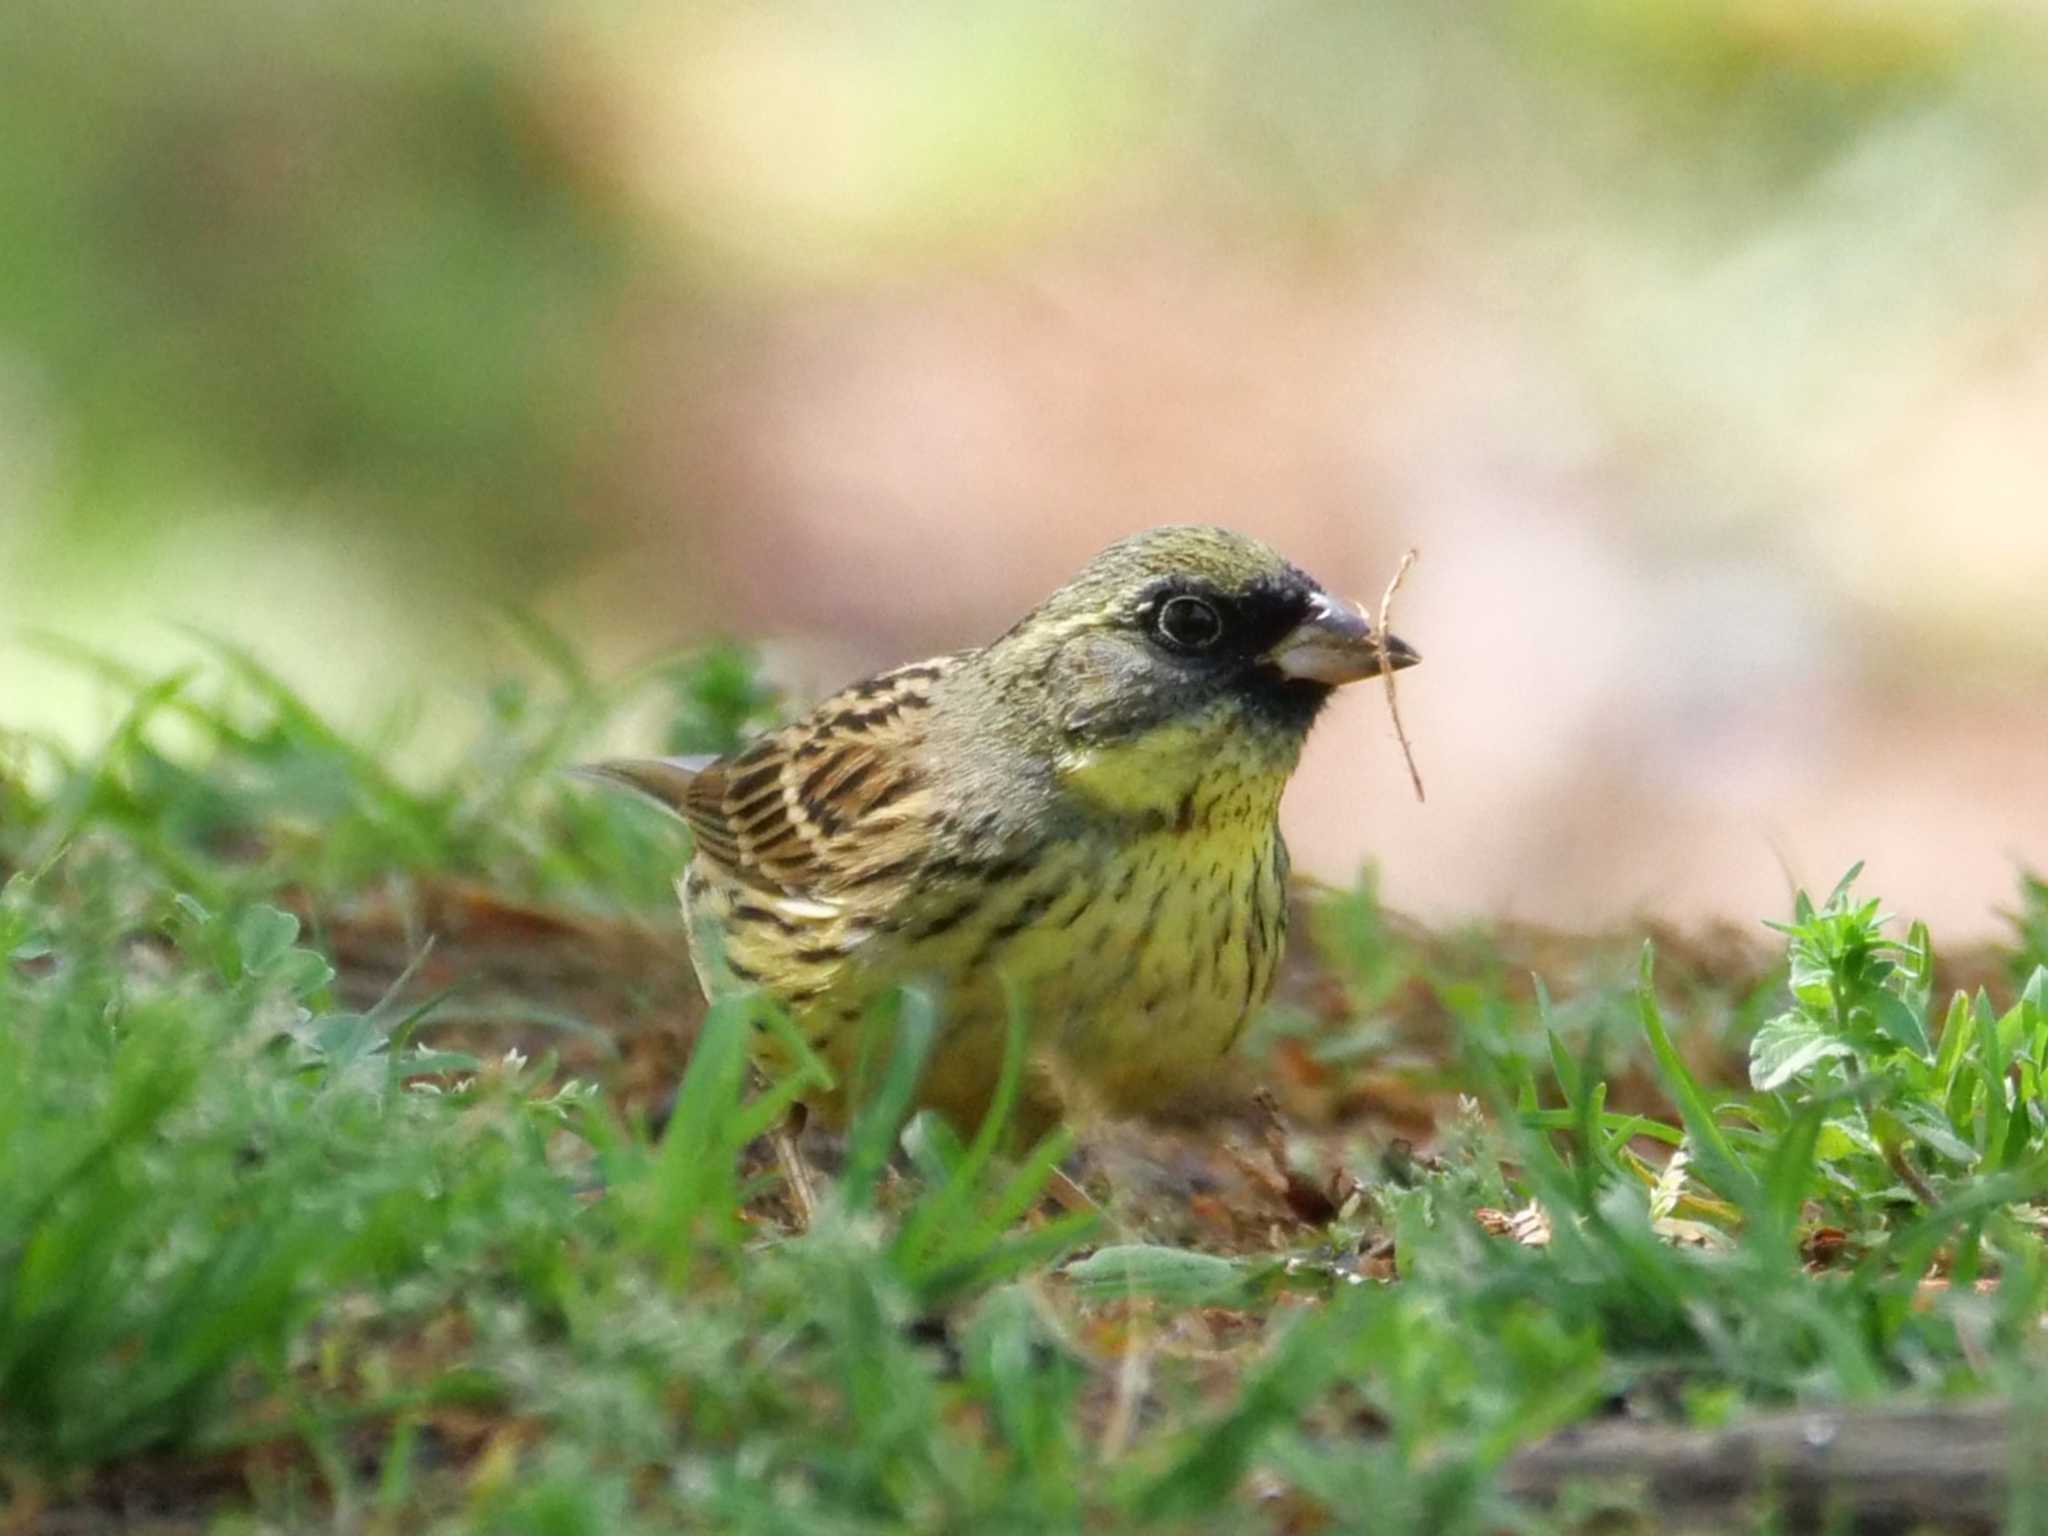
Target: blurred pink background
{"points": [[1701, 350]]}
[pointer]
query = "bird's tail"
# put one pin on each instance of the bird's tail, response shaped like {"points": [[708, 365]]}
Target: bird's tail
{"points": [[664, 780]]}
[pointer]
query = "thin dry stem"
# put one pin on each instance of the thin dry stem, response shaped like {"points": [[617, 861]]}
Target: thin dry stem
{"points": [[1387, 673], [1133, 1378]]}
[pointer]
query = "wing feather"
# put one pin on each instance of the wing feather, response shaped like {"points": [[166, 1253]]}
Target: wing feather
{"points": [[812, 809]]}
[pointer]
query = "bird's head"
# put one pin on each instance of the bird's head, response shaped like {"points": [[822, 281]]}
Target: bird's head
{"points": [[1182, 650]]}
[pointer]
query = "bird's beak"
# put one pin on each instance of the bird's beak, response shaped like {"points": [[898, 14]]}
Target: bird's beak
{"points": [[1335, 644]]}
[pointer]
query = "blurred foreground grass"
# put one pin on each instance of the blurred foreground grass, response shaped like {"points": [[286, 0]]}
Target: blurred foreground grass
{"points": [[290, 1239]]}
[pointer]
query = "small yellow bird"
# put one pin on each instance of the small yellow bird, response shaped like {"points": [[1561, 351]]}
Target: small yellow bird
{"points": [[1085, 809]]}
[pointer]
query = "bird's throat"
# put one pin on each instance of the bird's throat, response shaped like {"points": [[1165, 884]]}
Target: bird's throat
{"points": [[1181, 778]]}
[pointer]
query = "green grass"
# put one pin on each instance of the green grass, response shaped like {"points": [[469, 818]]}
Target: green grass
{"points": [[277, 1256]]}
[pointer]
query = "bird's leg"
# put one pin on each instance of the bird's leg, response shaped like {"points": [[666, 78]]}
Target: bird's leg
{"points": [[789, 1157]]}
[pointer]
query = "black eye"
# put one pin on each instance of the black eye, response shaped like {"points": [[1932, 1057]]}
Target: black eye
{"points": [[1188, 623]]}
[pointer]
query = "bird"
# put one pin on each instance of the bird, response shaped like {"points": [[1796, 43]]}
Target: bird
{"points": [[1082, 813]]}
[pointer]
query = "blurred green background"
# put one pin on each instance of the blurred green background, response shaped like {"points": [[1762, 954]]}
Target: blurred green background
{"points": [[1701, 347]]}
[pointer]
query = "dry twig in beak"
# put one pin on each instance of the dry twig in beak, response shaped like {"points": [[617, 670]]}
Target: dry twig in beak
{"points": [[1387, 672]]}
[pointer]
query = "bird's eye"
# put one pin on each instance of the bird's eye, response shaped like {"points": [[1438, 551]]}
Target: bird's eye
{"points": [[1188, 623]]}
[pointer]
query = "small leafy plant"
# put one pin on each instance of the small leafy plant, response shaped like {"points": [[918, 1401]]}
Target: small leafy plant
{"points": [[1908, 1110]]}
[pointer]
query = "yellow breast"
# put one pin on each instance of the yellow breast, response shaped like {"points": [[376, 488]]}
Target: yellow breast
{"points": [[1140, 947]]}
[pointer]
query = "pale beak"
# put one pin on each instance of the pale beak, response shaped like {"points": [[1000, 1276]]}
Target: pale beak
{"points": [[1334, 645]]}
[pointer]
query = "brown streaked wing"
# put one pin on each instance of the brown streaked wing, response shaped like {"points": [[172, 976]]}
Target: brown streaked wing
{"points": [[823, 802]]}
